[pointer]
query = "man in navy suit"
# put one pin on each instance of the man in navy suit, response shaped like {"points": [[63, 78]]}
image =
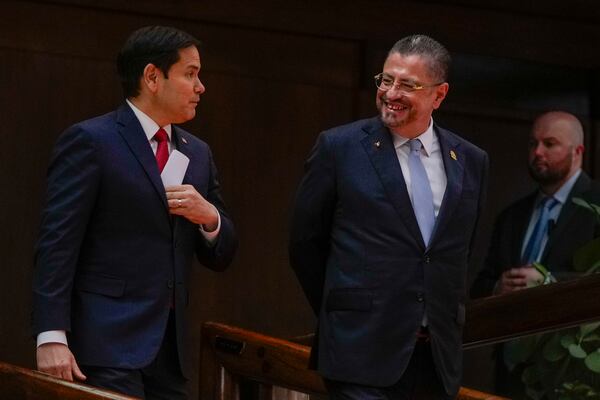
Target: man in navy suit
{"points": [[381, 234], [115, 247]]}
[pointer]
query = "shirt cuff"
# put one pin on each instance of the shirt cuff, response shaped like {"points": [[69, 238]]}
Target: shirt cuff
{"points": [[52, 337], [211, 237]]}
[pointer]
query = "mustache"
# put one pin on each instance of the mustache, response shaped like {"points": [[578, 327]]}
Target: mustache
{"points": [[398, 101]]}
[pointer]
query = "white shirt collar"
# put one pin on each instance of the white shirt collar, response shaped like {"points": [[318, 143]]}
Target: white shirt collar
{"points": [[148, 125], [426, 139]]}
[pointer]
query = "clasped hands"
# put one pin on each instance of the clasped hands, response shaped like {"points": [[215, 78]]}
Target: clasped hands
{"points": [[519, 278]]}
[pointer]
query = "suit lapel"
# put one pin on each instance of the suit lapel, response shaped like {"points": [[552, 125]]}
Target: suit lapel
{"points": [[132, 132], [519, 227], [380, 149], [454, 167], [566, 213], [181, 144]]}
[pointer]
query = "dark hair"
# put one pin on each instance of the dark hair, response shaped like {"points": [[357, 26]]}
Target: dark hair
{"points": [[157, 45], [422, 45]]}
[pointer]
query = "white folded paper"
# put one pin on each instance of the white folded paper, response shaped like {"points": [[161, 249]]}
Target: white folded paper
{"points": [[175, 168]]}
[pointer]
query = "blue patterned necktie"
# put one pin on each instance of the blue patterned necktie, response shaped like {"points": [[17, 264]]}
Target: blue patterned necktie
{"points": [[422, 197], [531, 252]]}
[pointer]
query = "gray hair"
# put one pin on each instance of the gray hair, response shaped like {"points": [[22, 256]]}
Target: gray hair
{"points": [[428, 48]]}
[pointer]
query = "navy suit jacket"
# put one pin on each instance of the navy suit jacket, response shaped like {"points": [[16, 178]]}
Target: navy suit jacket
{"points": [[358, 253], [574, 228], [110, 256]]}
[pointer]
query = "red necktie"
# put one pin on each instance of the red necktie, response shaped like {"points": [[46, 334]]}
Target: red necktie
{"points": [[162, 151]]}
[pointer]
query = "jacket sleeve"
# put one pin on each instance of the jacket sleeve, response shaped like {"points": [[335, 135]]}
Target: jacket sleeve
{"points": [[311, 221], [72, 186]]}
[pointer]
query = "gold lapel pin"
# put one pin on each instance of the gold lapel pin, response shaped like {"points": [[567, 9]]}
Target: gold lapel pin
{"points": [[377, 144], [453, 155], [183, 140]]}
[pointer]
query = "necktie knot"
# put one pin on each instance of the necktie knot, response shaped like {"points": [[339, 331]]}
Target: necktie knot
{"points": [[415, 145], [548, 203], [161, 136]]}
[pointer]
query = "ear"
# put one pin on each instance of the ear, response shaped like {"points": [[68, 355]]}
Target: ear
{"points": [[440, 94], [579, 150], [150, 77]]}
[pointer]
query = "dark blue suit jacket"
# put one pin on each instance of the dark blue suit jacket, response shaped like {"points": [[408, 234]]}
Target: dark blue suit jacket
{"points": [[357, 250], [109, 255]]}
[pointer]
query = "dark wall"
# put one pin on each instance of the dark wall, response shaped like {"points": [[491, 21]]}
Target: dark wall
{"points": [[276, 75]]}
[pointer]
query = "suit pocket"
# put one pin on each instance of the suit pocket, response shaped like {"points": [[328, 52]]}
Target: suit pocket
{"points": [[349, 299], [460, 314], [98, 284]]}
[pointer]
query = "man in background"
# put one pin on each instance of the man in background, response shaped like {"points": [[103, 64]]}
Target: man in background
{"points": [[381, 234], [544, 227], [115, 247]]}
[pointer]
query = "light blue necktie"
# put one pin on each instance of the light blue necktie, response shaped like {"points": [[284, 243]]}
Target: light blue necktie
{"points": [[422, 197], [540, 230]]}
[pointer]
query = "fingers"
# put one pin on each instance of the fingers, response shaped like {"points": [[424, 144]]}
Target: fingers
{"points": [[185, 201], [174, 192], [533, 277], [183, 196], [77, 372], [511, 280], [515, 273], [57, 360], [175, 203]]}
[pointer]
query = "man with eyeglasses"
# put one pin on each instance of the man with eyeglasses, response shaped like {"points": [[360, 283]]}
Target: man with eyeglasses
{"points": [[381, 234]]}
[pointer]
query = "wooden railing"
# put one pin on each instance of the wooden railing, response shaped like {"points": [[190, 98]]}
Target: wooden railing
{"points": [[233, 355], [18, 383], [525, 312], [233, 358]]}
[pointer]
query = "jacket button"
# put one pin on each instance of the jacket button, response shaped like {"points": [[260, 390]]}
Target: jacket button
{"points": [[170, 284], [427, 259], [420, 297]]}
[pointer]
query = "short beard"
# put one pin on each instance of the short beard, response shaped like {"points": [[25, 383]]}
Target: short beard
{"points": [[390, 121], [551, 176]]}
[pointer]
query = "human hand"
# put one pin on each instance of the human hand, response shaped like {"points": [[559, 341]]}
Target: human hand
{"points": [[56, 359], [184, 200], [519, 278]]}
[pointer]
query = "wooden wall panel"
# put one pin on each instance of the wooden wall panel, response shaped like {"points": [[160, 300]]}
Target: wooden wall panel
{"points": [[552, 32], [41, 95]]}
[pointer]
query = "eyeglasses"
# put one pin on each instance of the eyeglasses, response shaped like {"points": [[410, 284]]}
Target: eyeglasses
{"points": [[385, 82]]}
